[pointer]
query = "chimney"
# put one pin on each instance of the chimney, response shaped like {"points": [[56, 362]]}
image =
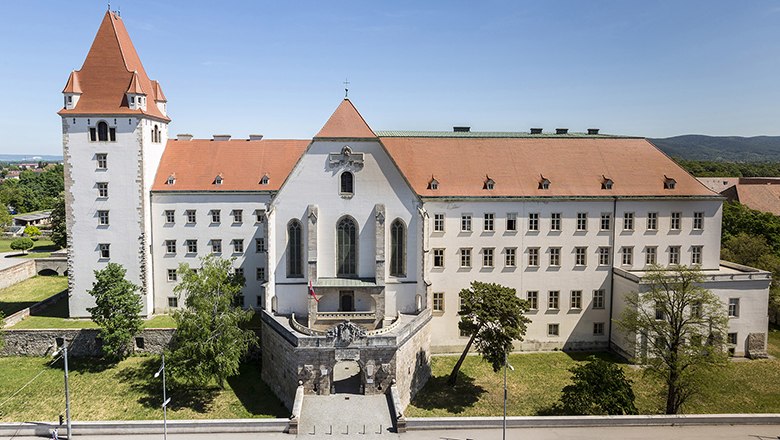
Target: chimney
{"points": [[221, 137], [593, 131], [461, 129], [561, 131], [183, 137], [255, 137], [536, 131]]}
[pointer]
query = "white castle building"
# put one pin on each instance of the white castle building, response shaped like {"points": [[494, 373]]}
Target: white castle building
{"points": [[386, 226]]}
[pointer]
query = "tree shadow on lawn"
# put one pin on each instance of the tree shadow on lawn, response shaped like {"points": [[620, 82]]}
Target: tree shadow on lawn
{"points": [[254, 394], [142, 380], [582, 356], [437, 394]]}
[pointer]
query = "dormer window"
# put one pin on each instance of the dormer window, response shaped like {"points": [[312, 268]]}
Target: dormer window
{"points": [[171, 179], [218, 180], [544, 183], [489, 184], [433, 184], [264, 180], [606, 182], [669, 183]]}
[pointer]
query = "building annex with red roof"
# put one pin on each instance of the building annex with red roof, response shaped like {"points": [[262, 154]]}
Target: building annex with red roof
{"points": [[355, 243]]}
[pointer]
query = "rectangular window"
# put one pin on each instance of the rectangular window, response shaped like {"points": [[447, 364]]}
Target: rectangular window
{"points": [[580, 256], [465, 257], [628, 221], [553, 329], [555, 221], [105, 251], [533, 299], [192, 246], [215, 216], [604, 256], [598, 328], [239, 271], [627, 255], [733, 307], [606, 221], [171, 274], [259, 215], [465, 223], [170, 216], [102, 218], [582, 221], [238, 216], [675, 221], [216, 246], [511, 221], [112, 134], [438, 301], [92, 134], [598, 298], [652, 221], [674, 254], [173, 302], [510, 257], [102, 161], [489, 222], [533, 257], [170, 246], [102, 188], [698, 221], [651, 255], [487, 257], [695, 254], [659, 311], [533, 222], [438, 258], [553, 299], [576, 299], [190, 213], [260, 274], [555, 256], [238, 246], [438, 222], [259, 245], [732, 339]]}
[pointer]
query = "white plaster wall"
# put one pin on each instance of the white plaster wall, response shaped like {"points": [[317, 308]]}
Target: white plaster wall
{"points": [[314, 182], [152, 153], [204, 231], [124, 203]]}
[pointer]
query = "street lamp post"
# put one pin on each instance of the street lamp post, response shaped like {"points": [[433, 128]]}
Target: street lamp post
{"points": [[166, 401], [64, 351]]}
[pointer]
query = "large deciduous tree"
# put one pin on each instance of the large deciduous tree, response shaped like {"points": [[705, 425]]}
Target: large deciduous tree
{"points": [[598, 387], [117, 310], [683, 325], [209, 342], [493, 316], [59, 233]]}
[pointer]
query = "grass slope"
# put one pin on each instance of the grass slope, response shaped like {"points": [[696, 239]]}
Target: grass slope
{"points": [[30, 291], [41, 248]]}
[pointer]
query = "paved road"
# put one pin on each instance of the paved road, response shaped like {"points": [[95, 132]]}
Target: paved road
{"points": [[742, 432], [6, 261]]}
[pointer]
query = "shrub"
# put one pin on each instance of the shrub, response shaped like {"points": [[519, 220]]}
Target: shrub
{"points": [[22, 244]]}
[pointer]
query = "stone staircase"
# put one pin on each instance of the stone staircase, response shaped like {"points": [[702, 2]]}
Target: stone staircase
{"points": [[341, 416]]}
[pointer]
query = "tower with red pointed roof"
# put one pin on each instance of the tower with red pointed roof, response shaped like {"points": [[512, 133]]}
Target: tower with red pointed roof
{"points": [[114, 122]]}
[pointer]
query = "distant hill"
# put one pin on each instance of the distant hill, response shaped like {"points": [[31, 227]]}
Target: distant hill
{"points": [[722, 148], [29, 158]]}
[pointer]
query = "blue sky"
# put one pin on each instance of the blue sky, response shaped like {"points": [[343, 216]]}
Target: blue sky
{"points": [[652, 68]]}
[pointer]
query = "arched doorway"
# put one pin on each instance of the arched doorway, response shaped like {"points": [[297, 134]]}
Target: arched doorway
{"points": [[347, 377]]}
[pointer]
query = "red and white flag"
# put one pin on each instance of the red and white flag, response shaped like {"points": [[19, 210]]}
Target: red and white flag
{"points": [[311, 292]]}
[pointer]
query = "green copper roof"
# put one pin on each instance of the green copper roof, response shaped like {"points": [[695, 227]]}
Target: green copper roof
{"points": [[345, 282], [495, 134]]}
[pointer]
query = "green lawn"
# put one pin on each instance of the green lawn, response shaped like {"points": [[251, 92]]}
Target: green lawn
{"points": [[30, 291], [536, 384], [126, 391], [41, 249]]}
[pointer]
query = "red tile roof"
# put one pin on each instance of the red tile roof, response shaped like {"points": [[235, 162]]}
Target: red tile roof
{"points": [[575, 166], [73, 84], [158, 93], [135, 86], [762, 194], [108, 71], [241, 163], [346, 122]]}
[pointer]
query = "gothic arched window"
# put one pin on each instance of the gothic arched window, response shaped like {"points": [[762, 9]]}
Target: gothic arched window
{"points": [[347, 183], [346, 247], [294, 250], [102, 129], [397, 248]]}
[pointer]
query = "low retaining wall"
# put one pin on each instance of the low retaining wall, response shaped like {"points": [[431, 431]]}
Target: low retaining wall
{"points": [[17, 273], [14, 318], [42, 429], [423, 423], [81, 342]]}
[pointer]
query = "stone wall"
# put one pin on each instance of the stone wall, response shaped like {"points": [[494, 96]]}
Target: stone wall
{"points": [[81, 342], [17, 273], [413, 361], [279, 365]]}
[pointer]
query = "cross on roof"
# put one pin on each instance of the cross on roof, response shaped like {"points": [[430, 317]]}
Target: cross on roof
{"points": [[346, 88]]}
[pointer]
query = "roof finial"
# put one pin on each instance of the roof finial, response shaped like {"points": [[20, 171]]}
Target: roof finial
{"points": [[346, 88], [109, 6]]}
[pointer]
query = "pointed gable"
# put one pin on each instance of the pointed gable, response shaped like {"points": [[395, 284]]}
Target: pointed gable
{"points": [[158, 93], [110, 66], [346, 122], [73, 85], [135, 85]]}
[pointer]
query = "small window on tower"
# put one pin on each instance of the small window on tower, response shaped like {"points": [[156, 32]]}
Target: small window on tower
{"points": [[92, 134], [102, 130], [112, 134]]}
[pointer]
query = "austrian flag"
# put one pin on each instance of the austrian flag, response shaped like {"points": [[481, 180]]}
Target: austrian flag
{"points": [[311, 292]]}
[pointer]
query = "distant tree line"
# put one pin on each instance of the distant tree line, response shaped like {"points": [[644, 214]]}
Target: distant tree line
{"points": [[709, 168], [33, 191]]}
